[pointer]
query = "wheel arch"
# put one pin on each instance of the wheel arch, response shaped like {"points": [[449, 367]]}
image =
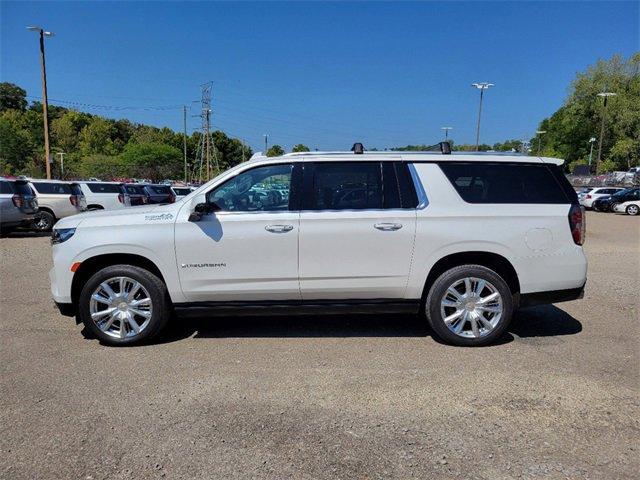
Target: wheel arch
{"points": [[496, 262], [93, 264], [95, 206]]}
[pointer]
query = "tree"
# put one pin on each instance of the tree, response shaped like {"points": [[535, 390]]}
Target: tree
{"points": [[65, 130], [275, 151], [300, 148], [12, 97], [16, 146], [152, 160], [96, 137], [569, 129]]}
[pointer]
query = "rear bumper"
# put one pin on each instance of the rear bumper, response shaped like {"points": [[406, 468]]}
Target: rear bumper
{"points": [[551, 296]]}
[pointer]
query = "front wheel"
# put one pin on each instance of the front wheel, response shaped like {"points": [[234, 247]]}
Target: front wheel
{"points": [[469, 305], [612, 207], [633, 210], [124, 305]]}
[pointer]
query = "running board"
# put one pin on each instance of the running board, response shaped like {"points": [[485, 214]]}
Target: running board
{"points": [[309, 307]]}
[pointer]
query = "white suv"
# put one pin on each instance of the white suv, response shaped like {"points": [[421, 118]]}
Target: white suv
{"points": [[464, 239], [56, 199]]}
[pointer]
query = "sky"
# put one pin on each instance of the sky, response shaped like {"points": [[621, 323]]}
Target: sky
{"points": [[323, 74]]}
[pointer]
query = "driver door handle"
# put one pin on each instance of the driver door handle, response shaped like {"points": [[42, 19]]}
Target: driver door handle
{"points": [[388, 227], [278, 228]]}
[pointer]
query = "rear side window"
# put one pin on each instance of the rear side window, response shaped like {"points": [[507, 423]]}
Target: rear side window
{"points": [[182, 191], [132, 190], [6, 187], [104, 187], [347, 186], [505, 183], [53, 188]]}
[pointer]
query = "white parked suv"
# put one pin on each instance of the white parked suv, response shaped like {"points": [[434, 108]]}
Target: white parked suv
{"points": [[462, 239], [591, 196], [102, 195], [56, 199]]}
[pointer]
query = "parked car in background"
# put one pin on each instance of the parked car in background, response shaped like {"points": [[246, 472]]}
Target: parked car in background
{"points": [[582, 192], [132, 195], [630, 208], [589, 197], [101, 195], [605, 204], [159, 193], [181, 191], [56, 199], [18, 204]]}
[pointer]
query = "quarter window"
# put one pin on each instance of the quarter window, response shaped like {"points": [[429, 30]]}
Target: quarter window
{"points": [[261, 189]]}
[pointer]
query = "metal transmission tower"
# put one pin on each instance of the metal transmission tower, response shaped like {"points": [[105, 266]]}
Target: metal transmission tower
{"points": [[207, 148]]}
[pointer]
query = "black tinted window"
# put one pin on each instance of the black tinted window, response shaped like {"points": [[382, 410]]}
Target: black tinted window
{"points": [[347, 186], [23, 188], [75, 189], [182, 191], [104, 187], [504, 183], [133, 190], [6, 187], [159, 189], [53, 188]]}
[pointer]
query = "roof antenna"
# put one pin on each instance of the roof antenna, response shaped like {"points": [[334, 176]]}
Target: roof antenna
{"points": [[357, 149]]}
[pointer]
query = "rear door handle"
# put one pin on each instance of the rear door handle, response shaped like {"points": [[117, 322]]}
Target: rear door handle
{"points": [[388, 227], [278, 228]]}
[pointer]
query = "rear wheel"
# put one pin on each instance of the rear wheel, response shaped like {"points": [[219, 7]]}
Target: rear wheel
{"points": [[124, 305], [633, 210], [469, 305], [44, 221]]}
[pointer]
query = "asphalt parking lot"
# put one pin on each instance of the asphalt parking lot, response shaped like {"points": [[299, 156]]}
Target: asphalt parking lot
{"points": [[326, 397]]}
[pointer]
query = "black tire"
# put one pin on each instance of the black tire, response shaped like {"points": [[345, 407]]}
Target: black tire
{"points": [[438, 291], [44, 221], [161, 305], [633, 210], [612, 206]]}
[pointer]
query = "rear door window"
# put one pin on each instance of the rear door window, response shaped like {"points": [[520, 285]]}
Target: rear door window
{"points": [[481, 182], [52, 188], [347, 186], [104, 187]]}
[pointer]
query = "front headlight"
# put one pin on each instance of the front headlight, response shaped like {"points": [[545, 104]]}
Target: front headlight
{"points": [[61, 235]]}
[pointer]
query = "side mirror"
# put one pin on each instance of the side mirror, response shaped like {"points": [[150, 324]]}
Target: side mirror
{"points": [[203, 208]]}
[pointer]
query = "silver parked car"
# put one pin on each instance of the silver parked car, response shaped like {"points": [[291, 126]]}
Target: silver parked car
{"points": [[18, 204]]}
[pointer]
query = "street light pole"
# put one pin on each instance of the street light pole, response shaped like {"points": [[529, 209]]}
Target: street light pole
{"points": [[45, 104], [266, 142], [540, 133], [482, 86], [446, 132], [591, 141], [606, 96], [62, 154]]}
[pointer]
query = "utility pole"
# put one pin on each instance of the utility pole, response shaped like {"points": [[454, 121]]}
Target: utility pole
{"points": [[206, 143], [266, 143], [45, 103], [184, 141], [482, 86], [446, 132], [62, 154], [606, 96], [540, 133]]}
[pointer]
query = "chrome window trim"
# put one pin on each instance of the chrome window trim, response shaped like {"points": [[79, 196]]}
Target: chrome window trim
{"points": [[423, 201]]}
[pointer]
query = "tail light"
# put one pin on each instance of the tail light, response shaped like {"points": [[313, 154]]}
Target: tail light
{"points": [[577, 224], [121, 198], [172, 198], [145, 199], [74, 200], [587, 196], [18, 200]]}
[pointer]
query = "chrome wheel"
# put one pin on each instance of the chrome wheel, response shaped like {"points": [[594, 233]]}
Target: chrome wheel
{"points": [[121, 307], [633, 210], [471, 307]]}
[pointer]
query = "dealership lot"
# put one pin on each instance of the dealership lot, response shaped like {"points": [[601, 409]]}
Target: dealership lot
{"points": [[326, 397]]}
